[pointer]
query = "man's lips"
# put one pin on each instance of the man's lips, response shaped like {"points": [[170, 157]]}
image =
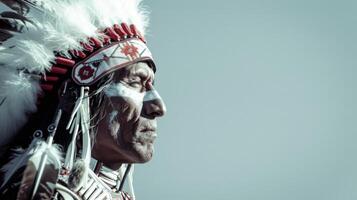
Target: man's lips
{"points": [[148, 129], [147, 135]]}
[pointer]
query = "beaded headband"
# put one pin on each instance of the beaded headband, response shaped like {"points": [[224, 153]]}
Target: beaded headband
{"points": [[121, 46]]}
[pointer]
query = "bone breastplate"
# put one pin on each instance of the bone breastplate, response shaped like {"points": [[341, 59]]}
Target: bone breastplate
{"points": [[102, 184]]}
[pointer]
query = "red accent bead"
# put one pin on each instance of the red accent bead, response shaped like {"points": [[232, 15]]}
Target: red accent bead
{"points": [[97, 43], [64, 171], [118, 29], [137, 32], [47, 87], [81, 54], [112, 34], [106, 39], [58, 70], [78, 53], [51, 78], [133, 29], [65, 61], [126, 29], [87, 47], [142, 38]]}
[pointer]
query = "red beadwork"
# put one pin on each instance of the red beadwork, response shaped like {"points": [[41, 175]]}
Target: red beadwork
{"points": [[58, 70], [130, 50], [65, 61], [126, 29], [87, 47], [137, 32], [51, 78], [78, 53], [118, 29], [86, 72], [112, 34], [46, 87], [142, 38], [97, 43], [133, 29], [81, 54], [116, 33], [106, 39]]}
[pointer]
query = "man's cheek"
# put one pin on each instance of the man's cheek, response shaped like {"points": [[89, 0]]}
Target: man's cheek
{"points": [[125, 99], [131, 109]]}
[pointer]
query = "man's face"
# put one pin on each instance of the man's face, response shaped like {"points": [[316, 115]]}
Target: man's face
{"points": [[127, 132]]}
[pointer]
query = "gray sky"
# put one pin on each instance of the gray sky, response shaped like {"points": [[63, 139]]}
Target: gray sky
{"points": [[261, 99]]}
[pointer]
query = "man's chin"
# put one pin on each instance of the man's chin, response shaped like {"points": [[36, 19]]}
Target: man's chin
{"points": [[144, 152]]}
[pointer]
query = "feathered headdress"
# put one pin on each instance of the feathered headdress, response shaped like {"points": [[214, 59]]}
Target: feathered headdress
{"points": [[53, 38], [44, 42]]}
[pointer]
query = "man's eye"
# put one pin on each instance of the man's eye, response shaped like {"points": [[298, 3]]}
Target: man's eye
{"points": [[135, 84]]}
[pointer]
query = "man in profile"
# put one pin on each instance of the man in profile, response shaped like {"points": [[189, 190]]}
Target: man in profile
{"points": [[78, 103]]}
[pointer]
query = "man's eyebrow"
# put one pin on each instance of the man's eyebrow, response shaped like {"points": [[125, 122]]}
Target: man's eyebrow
{"points": [[143, 74]]}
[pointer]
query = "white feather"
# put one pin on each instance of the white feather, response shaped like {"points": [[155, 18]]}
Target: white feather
{"points": [[18, 96], [130, 182], [20, 157]]}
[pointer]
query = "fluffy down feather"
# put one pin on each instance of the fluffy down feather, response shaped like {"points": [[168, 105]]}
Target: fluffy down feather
{"points": [[18, 98], [78, 175], [55, 25], [20, 157]]}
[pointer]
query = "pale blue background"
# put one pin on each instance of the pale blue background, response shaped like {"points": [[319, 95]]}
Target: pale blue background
{"points": [[261, 98]]}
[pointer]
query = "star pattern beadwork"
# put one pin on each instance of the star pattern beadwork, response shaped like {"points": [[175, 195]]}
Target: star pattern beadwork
{"points": [[130, 50]]}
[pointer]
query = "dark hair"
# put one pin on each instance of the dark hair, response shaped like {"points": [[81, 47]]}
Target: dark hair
{"points": [[97, 101]]}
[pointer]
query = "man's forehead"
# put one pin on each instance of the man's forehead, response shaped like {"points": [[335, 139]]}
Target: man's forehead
{"points": [[141, 69]]}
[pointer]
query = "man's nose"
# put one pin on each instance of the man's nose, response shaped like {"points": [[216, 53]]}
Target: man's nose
{"points": [[154, 108]]}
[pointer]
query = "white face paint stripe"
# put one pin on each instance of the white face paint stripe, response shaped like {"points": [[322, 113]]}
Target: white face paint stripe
{"points": [[121, 90], [113, 116]]}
